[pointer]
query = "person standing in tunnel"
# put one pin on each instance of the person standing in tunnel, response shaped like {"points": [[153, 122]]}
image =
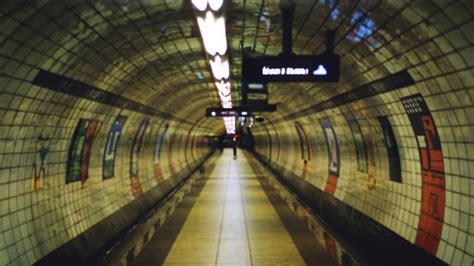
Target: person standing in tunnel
{"points": [[220, 144]]}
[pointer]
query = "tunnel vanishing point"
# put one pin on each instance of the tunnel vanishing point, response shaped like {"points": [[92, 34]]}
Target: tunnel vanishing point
{"points": [[107, 156]]}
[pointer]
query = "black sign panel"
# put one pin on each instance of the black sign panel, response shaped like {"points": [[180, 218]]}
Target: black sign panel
{"points": [[63, 84], [220, 112], [298, 68], [260, 108], [242, 111]]}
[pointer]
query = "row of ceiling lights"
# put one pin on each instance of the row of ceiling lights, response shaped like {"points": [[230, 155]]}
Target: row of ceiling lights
{"points": [[211, 24]]}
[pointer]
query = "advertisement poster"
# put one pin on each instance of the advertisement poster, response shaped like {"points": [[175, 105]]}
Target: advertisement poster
{"points": [[395, 171], [432, 171], [304, 143], [111, 146], [359, 144], [135, 158], [39, 165], [91, 133], [333, 156], [159, 144], [73, 170], [80, 149], [333, 148]]}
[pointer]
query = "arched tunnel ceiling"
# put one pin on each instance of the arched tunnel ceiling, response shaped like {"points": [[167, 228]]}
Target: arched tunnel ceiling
{"points": [[150, 51]]}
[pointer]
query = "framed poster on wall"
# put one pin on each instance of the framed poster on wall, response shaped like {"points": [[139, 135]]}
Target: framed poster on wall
{"points": [[159, 144], [359, 144], [333, 148], [304, 143], [79, 151], [395, 171], [135, 158], [433, 188], [111, 146]]}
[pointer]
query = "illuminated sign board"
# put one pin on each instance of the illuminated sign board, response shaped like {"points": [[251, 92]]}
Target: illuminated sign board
{"points": [[239, 110], [220, 112], [298, 68]]}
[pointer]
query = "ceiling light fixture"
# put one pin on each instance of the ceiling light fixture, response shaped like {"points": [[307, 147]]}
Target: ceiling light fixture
{"points": [[215, 4], [200, 4], [220, 67], [223, 87], [213, 32]]}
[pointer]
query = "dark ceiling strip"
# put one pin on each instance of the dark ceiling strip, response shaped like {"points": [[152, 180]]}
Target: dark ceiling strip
{"points": [[60, 83], [392, 82]]}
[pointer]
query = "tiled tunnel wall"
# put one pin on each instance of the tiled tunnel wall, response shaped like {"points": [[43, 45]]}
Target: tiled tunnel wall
{"points": [[68, 163], [44, 204], [419, 182], [364, 179]]}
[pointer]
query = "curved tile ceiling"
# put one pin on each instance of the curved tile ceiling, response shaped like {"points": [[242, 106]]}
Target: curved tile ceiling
{"points": [[149, 50]]}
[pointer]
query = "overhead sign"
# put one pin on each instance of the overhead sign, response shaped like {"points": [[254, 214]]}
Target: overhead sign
{"points": [[297, 68], [220, 112], [260, 108], [242, 111]]}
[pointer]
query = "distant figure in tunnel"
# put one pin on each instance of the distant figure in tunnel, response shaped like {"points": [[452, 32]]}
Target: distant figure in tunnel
{"points": [[202, 170], [220, 144]]}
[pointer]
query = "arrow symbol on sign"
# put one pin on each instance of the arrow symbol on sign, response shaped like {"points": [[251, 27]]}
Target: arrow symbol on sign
{"points": [[320, 71]]}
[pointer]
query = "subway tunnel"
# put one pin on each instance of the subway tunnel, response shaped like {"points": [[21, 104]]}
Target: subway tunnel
{"points": [[103, 124]]}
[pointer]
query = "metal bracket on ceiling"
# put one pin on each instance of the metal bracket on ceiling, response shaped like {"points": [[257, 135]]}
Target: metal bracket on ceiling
{"points": [[287, 8]]}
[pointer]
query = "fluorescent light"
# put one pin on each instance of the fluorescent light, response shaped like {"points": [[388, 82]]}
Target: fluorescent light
{"points": [[227, 104], [213, 33], [220, 67], [212, 28], [244, 113], [222, 94], [200, 4], [229, 123], [215, 4], [225, 98], [223, 87]]}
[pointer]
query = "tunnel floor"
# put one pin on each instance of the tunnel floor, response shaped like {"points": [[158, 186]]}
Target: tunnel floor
{"points": [[233, 217]]}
